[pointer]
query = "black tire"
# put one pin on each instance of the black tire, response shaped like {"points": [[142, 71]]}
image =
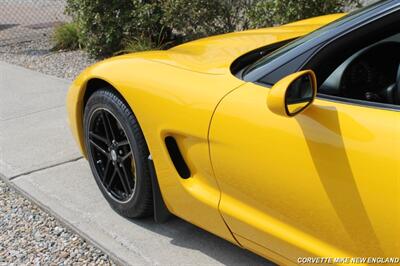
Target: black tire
{"points": [[106, 105]]}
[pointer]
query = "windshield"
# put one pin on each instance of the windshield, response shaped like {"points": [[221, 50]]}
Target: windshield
{"points": [[310, 37]]}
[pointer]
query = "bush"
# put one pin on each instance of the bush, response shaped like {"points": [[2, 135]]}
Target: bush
{"points": [[208, 17], [105, 25], [66, 37], [205, 17], [144, 43], [265, 13]]}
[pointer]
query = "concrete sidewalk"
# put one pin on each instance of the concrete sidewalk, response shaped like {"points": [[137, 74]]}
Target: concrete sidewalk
{"points": [[40, 158]]}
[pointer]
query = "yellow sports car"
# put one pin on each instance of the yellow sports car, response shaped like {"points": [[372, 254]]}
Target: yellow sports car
{"points": [[284, 140]]}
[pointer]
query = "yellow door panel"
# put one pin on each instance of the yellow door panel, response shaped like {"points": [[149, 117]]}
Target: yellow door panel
{"points": [[262, 251], [324, 183]]}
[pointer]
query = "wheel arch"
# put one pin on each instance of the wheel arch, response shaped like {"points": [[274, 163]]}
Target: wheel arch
{"points": [[85, 91], [161, 212], [95, 84], [87, 88]]}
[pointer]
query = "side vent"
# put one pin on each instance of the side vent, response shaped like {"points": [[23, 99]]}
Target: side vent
{"points": [[177, 158]]}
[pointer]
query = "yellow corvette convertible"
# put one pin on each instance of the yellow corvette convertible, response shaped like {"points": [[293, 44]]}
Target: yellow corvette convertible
{"points": [[284, 141]]}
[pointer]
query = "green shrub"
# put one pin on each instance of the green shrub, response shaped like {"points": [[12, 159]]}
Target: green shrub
{"points": [[105, 25], [138, 45], [198, 18], [66, 37], [144, 43], [265, 13]]}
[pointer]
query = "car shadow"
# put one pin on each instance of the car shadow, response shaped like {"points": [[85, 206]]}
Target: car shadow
{"points": [[323, 133], [188, 236]]}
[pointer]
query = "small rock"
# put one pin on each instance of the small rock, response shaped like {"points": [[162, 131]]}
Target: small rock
{"points": [[64, 254]]}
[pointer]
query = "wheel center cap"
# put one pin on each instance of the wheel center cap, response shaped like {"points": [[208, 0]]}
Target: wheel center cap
{"points": [[114, 155]]}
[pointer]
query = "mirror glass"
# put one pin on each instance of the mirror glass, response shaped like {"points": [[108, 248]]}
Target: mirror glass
{"points": [[299, 94]]}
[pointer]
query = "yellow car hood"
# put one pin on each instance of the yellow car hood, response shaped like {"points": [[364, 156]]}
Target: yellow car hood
{"points": [[214, 55]]}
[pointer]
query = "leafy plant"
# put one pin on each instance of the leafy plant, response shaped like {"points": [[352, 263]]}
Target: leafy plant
{"points": [[66, 37], [144, 43], [105, 24], [205, 17], [265, 13]]}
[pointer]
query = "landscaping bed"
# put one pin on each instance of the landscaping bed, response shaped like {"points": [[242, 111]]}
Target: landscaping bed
{"points": [[39, 56], [28, 235]]}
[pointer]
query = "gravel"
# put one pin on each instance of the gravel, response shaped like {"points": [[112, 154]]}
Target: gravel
{"points": [[28, 235], [39, 56]]}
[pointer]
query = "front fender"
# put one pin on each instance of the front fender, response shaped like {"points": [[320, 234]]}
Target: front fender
{"points": [[167, 101]]}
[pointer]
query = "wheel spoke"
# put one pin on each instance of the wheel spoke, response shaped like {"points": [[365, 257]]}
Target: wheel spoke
{"points": [[106, 170], [103, 118], [111, 179], [109, 126], [123, 143], [94, 144], [93, 136], [126, 156], [124, 180], [126, 173]]}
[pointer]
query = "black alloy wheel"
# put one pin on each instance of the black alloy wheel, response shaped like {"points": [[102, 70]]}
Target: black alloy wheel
{"points": [[112, 154], [117, 153]]}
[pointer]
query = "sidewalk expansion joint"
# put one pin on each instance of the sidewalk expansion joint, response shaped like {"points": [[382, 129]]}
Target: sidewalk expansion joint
{"points": [[45, 168], [31, 113]]}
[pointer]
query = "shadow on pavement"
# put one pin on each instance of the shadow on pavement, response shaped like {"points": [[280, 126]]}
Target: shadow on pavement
{"points": [[188, 236]]}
